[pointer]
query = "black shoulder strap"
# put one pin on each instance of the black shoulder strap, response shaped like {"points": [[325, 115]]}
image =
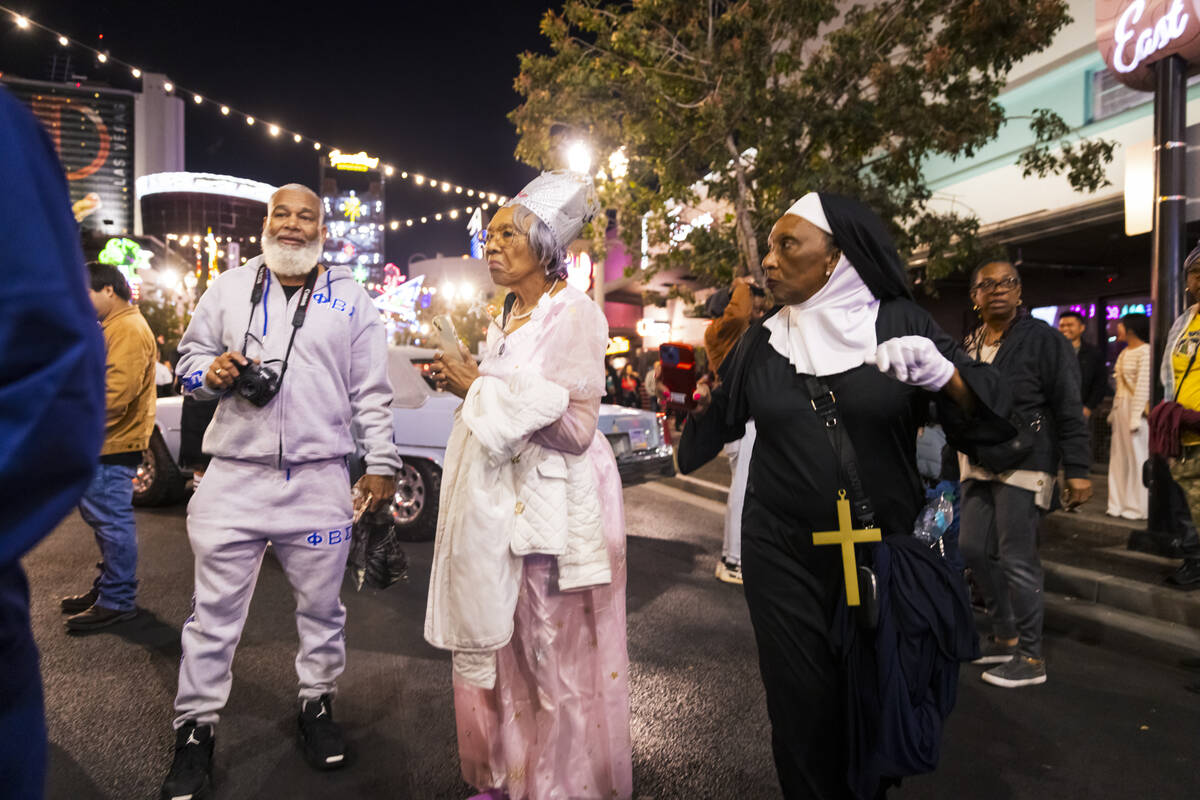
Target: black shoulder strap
{"points": [[509, 302], [824, 402]]}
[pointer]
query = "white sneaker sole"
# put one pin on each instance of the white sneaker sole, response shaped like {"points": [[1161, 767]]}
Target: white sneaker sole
{"points": [[1008, 683], [997, 659]]}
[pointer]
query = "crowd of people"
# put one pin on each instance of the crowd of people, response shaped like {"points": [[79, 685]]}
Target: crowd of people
{"points": [[860, 624]]}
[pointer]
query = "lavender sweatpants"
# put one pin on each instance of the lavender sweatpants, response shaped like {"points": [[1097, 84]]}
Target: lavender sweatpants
{"points": [[305, 513]]}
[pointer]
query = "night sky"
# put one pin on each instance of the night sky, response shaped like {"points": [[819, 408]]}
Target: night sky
{"points": [[425, 86]]}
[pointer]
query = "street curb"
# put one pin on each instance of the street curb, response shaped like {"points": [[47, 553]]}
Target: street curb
{"points": [[1114, 629], [1123, 594]]}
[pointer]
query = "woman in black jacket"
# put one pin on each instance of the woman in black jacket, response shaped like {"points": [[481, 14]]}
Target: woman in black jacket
{"points": [[1006, 488]]}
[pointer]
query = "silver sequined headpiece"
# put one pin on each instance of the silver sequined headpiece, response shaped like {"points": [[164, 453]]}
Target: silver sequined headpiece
{"points": [[563, 200]]}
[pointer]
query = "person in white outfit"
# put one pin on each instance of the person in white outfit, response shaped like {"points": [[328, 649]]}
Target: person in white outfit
{"points": [[297, 354], [1128, 496]]}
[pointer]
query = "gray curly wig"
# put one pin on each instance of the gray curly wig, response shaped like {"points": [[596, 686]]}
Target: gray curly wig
{"points": [[542, 242]]}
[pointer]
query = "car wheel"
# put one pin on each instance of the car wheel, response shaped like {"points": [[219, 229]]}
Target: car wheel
{"points": [[157, 480], [415, 507]]}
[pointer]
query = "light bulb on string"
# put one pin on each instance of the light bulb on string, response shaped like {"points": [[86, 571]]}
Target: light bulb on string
{"points": [[249, 120], [101, 57], [438, 216], [394, 224], [225, 110], [274, 130], [316, 145], [424, 220], [197, 99], [168, 87], [22, 22], [408, 222], [388, 170], [64, 41], [296, 138], [137, 73]]}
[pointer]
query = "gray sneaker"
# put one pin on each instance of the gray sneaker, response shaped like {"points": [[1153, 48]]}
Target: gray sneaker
{"points": [[992, 651], [1020, 671]]}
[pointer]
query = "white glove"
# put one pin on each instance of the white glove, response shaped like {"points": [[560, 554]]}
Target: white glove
{"points": [[914, 360]]}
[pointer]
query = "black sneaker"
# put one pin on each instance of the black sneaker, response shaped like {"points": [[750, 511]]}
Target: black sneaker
{"points": [[79, 602], [1020, 671], [190, 777], [992, 651], [320, 737], [1187, 576]]}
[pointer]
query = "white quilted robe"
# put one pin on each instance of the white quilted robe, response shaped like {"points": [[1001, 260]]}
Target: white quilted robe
{"points": [[504, 497]]}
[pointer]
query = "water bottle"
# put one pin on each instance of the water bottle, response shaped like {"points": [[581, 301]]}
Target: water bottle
{"points": [[935, 518]]}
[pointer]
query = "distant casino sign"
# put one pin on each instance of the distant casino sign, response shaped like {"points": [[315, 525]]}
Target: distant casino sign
{"points": [[92, 130], [1133, 34]]}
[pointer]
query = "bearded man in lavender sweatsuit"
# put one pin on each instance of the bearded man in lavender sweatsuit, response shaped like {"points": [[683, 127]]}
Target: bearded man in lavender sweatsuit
{"points": [[279, 471]]}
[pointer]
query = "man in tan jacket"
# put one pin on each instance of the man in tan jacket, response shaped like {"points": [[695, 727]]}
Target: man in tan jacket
{"points": [[107, 505], [747, 303]]}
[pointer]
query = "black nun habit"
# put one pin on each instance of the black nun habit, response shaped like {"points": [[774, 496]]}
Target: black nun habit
{"points": [[851, 709]]}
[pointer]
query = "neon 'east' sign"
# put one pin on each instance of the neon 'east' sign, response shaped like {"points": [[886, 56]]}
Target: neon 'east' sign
{"points": [[1150, 40]]}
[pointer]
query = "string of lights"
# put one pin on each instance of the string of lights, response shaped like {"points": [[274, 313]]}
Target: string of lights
{"points": [[273, 129]]}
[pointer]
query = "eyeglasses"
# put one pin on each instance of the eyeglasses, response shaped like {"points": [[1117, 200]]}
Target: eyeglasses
{"points": [[504, 238], [1004, 284]]}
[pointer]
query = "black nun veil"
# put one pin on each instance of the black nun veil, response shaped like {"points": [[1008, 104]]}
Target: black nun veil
{"points": [[862, 237]]}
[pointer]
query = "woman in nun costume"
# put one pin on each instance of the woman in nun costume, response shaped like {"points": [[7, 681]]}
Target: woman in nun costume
{"points": [[847, 319]]}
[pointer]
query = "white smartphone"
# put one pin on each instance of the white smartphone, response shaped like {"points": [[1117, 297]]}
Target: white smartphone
{"points": [[447, 337]]}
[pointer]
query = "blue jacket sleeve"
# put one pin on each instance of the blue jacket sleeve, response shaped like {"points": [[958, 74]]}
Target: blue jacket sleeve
{"points": [[51, 349]]}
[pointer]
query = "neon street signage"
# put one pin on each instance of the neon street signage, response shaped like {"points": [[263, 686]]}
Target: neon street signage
{"points": [[352, 162], [1167, 29], [1134, 35]]}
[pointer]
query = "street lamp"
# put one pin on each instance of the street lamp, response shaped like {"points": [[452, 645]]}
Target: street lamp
{"points": [[579, 157]]}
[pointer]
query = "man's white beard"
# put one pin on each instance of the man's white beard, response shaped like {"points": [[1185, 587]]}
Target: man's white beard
{"points": [[288, 261]]}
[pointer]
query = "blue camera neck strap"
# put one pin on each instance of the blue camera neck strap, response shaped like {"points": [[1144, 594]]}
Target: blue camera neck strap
{"points": [[256, 297]]}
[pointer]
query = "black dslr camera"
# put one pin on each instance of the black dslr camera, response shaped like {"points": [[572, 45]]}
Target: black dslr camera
{"points": [[258, 383]]}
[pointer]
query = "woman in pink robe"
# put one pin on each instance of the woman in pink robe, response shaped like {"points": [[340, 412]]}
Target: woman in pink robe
{"points": [[556, 724]]}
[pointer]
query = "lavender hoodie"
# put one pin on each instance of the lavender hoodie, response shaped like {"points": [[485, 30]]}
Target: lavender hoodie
{"points": [[336, 386]]}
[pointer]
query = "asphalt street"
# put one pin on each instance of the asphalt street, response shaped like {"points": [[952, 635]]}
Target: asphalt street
{"points": [[1107, 724]]}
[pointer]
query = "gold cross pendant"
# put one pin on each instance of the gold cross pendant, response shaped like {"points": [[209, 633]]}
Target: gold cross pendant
{"points": [[847, 537]]}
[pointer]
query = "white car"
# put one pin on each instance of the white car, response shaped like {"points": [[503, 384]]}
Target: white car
{"points": [[423, 418]]}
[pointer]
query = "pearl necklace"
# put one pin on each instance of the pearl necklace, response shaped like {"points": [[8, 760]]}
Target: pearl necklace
{"points": [[525, 315]]}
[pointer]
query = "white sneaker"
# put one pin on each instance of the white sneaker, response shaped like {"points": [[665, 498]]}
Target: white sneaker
{"points": [[729, 573]]}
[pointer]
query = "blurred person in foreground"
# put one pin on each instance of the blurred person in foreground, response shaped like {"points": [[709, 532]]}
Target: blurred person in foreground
{"points": [[1175, 424], [1093, 377], [52, 407], [107, 505], [1006, 489], [528, 581], [279, 474], [1128, 496], [837, 380], [745, 304]]}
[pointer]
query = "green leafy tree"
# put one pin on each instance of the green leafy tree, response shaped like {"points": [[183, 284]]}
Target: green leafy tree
{"points": [[749, 103]]}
